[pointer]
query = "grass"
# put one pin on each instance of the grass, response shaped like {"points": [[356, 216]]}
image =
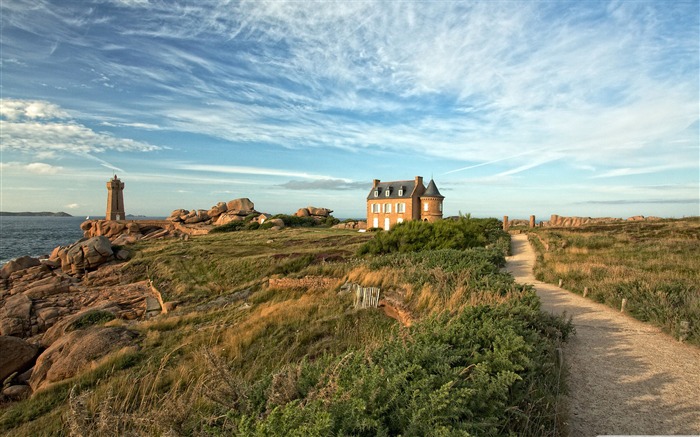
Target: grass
{"points": [[654, 265], [239, 358]]}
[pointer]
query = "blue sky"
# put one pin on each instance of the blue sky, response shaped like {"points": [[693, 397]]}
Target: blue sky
{"points": [[513, 107]]}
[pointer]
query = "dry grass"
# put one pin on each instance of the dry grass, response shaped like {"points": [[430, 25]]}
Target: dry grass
{"points": [[655, 266]]}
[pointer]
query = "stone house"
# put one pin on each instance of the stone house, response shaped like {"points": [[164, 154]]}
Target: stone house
{"points": [[389, 203]]}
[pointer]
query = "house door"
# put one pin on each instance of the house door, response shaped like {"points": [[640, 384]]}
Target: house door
{"points": [[386, 224], [375, 224]]}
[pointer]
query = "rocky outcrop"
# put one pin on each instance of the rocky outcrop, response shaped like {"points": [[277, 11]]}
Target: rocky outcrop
{"points": [[76, 351], [360, 224], [17, 355], [219, 214], [44, 304], [84, 255], [312, 211]]}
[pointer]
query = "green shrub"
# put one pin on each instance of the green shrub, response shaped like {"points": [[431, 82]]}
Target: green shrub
{"points": [[228, 227], [413, 236]]}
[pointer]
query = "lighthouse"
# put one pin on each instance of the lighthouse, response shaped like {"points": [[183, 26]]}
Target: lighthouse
{"points": [[115, 200]]}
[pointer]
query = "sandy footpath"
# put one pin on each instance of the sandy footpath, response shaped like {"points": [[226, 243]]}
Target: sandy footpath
{"points": [[625, 377]]}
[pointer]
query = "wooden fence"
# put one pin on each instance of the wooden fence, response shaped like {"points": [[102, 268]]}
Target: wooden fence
{"points": [[365, 297]]}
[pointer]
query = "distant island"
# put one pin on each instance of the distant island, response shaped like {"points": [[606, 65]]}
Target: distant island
{"points": [[35, 214]]}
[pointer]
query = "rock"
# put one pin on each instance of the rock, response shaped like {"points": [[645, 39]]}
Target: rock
{"points": [[17, 392], [276, 223], [262, 218], [69, 323], [75, 351], [133, 228], [636, 218], [86, 254], [15, 316], [302, 212], [217, 209], [242, 204], [176, 216], [87, 225], [125, 239], [21, 263], [123, 255], [17, 355], [228, 217], [46, 287], [319, 212], [170, 306], [199, 216]]}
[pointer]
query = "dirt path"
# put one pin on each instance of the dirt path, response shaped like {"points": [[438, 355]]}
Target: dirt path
{"points": [[626, 377]]}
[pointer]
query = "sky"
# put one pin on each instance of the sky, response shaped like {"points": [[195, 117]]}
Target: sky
{"points": [[512, 107]]}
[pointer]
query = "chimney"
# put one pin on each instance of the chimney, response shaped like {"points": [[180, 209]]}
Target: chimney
{"points": [[375, 182], [419, 180]]}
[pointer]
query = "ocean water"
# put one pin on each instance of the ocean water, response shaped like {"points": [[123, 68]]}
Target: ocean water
{"points": [[36, 236]]}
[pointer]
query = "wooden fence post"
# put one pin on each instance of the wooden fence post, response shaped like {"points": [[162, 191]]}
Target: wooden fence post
{"points": [[585, 291], [624, 304]]}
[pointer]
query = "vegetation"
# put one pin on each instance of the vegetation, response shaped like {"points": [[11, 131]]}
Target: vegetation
{"points": [[654, 265], [239, 357], [415, 236]]}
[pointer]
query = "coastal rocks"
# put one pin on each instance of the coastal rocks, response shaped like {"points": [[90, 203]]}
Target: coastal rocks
{"points": [[75, 351], [360, 224], [15, 316], [86, 255], [21, 263], [17, 355]]}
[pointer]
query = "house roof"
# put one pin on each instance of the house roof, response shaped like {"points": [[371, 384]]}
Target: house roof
{"points": [[432, 191], [393, 187]]}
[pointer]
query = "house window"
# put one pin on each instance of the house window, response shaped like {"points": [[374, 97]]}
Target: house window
{"points": [[399, 220], [440, 206], [376, 193], [387, 193], [425, 206], [401, 192], [375, 207], [387, 208], [401, 207]]}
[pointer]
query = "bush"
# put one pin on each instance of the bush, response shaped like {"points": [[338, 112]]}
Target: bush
{"points": [[487, 371], [228, 227], [413, 236]]}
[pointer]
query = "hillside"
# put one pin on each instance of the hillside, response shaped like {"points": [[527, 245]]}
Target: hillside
{"points": [[265, 339]]}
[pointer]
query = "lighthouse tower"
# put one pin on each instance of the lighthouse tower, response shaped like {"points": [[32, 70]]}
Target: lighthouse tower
{"points": [[115, 200]]}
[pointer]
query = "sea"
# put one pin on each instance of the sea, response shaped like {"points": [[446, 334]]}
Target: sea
{"points": [[36, 236]]}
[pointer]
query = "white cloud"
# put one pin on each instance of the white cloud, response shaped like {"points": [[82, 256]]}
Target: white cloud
{"points": [[29, 126], [73, 206], [39, 168], [12, 109]]}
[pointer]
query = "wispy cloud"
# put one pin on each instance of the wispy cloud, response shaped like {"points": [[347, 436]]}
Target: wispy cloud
{"points": [[325, 184], [258, 171]]}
